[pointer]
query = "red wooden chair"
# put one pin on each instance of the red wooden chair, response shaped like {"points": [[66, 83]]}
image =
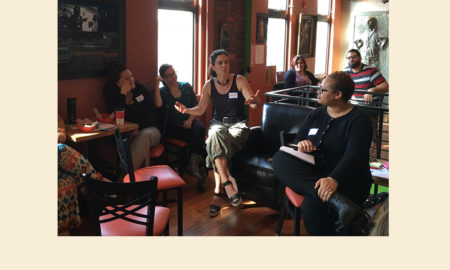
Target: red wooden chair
{"points": [[290, 199]]}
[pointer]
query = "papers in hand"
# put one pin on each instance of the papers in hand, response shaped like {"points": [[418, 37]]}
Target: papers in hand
{"points": [[300, 155]]}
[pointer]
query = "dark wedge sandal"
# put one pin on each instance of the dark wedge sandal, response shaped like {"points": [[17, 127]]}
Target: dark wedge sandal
{"points": [[233, 198], [215, 210]]}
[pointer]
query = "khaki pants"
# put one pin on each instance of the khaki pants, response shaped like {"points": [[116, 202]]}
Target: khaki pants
{"points": [[140, 146], [225, 140]]}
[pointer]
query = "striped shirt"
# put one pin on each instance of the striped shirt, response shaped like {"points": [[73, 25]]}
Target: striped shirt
{"points": [[365, 79]]}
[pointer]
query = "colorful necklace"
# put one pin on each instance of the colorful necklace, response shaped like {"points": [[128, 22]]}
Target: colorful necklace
{"points": [[223, 84]]}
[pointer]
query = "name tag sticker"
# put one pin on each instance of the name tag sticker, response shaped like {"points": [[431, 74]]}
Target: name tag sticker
{"points": [[233, 95], [313, 131], [139, 98]]}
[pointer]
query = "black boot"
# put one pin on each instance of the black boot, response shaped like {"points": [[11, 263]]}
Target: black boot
{"points": [[349, 213]]}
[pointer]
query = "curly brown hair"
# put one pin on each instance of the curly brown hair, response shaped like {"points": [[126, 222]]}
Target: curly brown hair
{"points": [[341, 81]]}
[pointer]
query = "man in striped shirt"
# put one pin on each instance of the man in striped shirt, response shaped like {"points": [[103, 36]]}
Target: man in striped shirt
{"points": [[366, 77]]}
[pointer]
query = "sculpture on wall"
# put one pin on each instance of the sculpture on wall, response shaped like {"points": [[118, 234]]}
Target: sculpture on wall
{"points": [[370, 37], [373, 43]]}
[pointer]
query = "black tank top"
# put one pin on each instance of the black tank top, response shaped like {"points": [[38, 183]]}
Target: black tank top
{"points": [[229, 105]]}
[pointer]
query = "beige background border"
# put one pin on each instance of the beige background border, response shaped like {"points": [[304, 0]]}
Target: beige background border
{"points": [[419, 223]]}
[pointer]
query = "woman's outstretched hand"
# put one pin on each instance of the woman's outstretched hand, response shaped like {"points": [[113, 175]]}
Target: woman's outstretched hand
{"points": [[252, 99], [180, 107]]}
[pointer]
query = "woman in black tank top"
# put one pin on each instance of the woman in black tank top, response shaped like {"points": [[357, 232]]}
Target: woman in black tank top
{"points": [[228, 129]]}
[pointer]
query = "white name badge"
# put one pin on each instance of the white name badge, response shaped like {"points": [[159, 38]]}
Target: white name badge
{"points": [[233, 95], [139, 98], [313, 131]]}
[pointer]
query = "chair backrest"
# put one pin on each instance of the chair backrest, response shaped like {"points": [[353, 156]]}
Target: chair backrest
{"points": [[277, 117], [109, 201], [124, 153]]}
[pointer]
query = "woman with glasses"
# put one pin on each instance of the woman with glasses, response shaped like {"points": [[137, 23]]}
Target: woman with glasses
{"points": [[181, 126], [228, 130], [298, 75], [338, 135], [121, 91]]}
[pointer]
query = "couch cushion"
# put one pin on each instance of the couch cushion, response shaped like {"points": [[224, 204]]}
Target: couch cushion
{"points": [[278, 117]]}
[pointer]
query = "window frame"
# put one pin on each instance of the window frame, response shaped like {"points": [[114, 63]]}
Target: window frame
{"points": [[191, 6], [327, 19], [282, 14]]}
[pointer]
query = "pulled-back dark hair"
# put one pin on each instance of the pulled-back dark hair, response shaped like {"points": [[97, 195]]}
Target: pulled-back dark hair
{"points": [[355, 51], [295, 61], [341, 81], [212, 59], [162, 69]]}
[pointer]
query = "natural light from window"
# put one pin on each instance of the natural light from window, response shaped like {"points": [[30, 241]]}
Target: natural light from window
{"points": [[323, 7], [276, 36], [175, 42], [278, 4], [321, 47]]}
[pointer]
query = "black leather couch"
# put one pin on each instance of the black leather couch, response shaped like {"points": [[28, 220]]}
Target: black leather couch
{"points": [[252, 166]]}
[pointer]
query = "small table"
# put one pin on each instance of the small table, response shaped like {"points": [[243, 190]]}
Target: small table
{"points": [[75, 135], [380, 177]]}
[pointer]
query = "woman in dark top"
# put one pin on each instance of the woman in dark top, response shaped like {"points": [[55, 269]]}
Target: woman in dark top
{"points": [[121, 91], [228, 130], [298, 75], [339, 136], [181, 126]]}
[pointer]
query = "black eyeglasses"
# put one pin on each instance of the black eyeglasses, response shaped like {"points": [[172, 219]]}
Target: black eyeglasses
{"points": [[352, 57], [170, 75]]}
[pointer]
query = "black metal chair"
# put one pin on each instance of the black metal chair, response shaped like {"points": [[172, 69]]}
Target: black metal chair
{"points": [[126, 209], [168, 179]]}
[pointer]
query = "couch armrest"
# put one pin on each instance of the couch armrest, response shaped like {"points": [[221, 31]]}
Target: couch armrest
{"points": [[256, 141]]}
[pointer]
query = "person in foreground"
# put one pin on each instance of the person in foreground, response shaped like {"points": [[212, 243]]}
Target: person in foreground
{"points": [[180, 126], [228, 130], [71, 166], [338, 135], [298, 75], [122, 92]]}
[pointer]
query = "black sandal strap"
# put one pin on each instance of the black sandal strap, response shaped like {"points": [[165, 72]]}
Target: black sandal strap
{"points": [[234, 197], [228, 182]]}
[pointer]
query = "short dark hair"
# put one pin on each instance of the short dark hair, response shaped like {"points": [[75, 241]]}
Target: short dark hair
{"points": [[341, 81], [355, 51], [295, 61], [212, 59]]}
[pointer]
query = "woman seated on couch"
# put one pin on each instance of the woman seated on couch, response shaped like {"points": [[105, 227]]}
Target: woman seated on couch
{"points": [[338, 135]]}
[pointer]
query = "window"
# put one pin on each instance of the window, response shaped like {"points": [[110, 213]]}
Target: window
{"points": [[322, 36], [276, 34], [176, 37]]}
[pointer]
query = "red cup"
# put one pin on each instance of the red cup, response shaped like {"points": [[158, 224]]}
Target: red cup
{"points": [[120, 117]]}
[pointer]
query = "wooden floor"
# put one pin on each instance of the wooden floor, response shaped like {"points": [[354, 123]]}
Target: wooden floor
{"points": [[248, 219]]}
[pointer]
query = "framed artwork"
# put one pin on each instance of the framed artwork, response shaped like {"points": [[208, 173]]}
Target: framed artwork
{"points": [[225, 36], [306, 35], [261, 27], [91, 34]]}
